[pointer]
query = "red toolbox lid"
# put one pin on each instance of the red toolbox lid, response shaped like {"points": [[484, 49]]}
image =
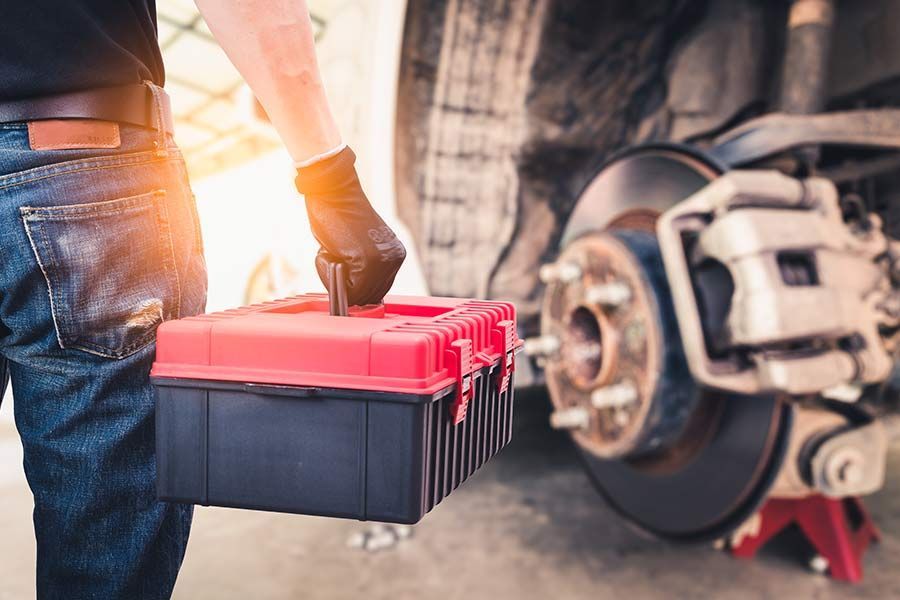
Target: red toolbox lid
{"points": [[417, 345]]}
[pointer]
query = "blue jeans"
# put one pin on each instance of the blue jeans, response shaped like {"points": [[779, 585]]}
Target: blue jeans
{"points": [[97, 247]]}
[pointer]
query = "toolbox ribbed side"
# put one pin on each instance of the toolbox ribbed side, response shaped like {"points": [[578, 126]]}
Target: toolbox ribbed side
{"points": [[454, 452]]}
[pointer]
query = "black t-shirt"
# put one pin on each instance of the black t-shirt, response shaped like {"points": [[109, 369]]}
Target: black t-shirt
{"points": [[54, 46]]}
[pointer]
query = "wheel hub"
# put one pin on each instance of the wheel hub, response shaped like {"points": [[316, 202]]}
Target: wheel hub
{"points": [[620, 364]]}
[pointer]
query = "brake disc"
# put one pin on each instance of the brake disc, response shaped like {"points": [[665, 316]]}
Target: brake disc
{"points": [[675, 460]]}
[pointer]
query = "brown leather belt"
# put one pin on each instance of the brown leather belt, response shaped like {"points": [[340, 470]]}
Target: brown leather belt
{"points": [[132, 104]]}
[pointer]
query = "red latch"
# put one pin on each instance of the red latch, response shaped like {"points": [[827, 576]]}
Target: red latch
{"points": [[503, 338], [463, 365]]}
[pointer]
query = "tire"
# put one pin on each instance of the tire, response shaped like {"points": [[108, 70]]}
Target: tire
{"points": [[505, 111]]}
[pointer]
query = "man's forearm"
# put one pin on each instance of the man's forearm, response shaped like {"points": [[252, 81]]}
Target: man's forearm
{"points": [[271, 44]]}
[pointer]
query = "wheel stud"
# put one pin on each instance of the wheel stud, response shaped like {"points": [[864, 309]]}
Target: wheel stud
{"points": [[576, 417], [542, 346], [608, 295], [565, 272], [619, 395]]}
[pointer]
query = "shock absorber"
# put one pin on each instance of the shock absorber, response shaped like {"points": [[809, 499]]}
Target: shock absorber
{"points": [[805, 74]]}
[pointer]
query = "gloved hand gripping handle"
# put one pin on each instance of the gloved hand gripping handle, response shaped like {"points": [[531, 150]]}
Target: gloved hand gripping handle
{"points": [[349, 230]]}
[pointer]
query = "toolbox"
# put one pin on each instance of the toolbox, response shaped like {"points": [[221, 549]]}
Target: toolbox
{"points": [[375, 414]]}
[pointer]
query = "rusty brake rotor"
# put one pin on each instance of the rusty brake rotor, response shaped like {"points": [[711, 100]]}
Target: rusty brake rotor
{"points": [[676, 460]]}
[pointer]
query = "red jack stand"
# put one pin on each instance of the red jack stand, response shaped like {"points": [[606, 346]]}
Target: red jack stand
{"points": [[839, 530]]}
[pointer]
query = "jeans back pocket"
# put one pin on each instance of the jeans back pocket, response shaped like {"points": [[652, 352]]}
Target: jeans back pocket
{"points": [[110, 270]]}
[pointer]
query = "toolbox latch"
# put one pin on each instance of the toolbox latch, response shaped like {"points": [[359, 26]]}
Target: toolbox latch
{"points": [[503, 338], [463, 364]]}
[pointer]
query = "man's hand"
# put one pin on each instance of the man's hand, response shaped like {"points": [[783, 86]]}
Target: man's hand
{"points": [[271, 43], [348, 229]]}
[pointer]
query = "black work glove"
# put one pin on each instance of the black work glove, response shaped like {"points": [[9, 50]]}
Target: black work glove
{"points": [[348, 229]]}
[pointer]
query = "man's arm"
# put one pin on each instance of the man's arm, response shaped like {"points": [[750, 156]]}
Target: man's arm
{"points": [[271, 44]]}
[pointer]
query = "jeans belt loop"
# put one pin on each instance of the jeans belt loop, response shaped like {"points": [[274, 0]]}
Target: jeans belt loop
{"points": [[162, 115]]}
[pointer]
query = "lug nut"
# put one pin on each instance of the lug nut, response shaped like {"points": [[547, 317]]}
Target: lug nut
{"points": [[545, 345], [576, 417], [559, 272], [619, 395], [608, 295]]}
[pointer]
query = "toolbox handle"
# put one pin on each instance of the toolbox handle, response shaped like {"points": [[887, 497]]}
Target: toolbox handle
{"points": [[270, 389], [337, 290], [338, 305]]}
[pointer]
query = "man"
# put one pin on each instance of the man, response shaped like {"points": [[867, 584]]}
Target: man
{"points": [[100, 243]]}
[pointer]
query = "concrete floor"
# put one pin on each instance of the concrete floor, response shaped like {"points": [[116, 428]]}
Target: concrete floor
{"points": [[528, 526]]}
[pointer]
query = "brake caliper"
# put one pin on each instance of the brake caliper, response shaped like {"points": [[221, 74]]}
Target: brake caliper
{"points": [[774, 291]]}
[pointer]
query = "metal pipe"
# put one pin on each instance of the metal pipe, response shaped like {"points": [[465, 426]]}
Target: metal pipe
{"points": [[810, 24], [805, 73]]}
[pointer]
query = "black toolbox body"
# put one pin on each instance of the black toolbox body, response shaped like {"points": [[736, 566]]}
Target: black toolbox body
{"points": [[352, 453]]}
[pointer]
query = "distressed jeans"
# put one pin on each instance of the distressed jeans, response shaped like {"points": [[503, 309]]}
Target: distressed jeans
{"points": [[97, 247]]}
